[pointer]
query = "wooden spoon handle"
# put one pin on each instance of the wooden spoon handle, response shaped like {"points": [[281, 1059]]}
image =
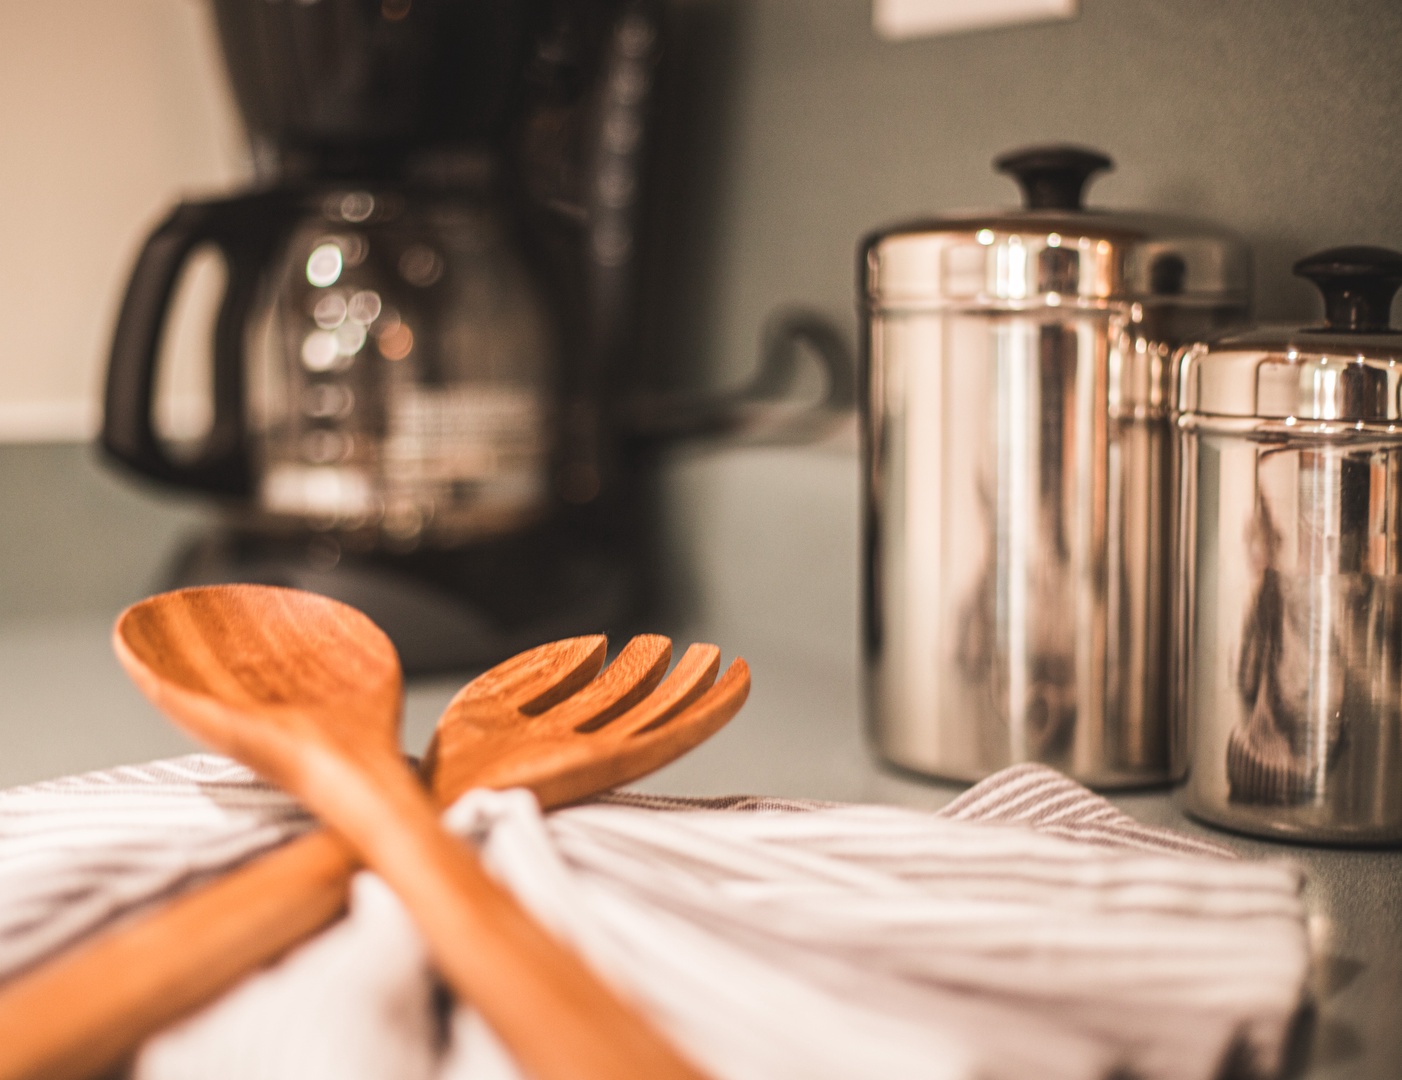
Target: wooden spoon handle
{"points": [[90, 1009], [554, 1014]]}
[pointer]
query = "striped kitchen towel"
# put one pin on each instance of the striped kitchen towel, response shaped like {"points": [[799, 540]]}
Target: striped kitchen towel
{"points": [[1028, 929], [79, 851]]}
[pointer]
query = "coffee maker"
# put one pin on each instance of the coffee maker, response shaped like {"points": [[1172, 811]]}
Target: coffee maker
{"points": [[425, 355]]}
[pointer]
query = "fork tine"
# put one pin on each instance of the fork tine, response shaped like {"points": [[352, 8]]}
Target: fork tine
{"points": [[633, 757], [692, 677], [701, 719], [534, 680], [635, 671], [530, 681]]}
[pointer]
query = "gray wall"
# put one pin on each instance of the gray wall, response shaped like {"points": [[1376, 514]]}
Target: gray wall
{"points": [[797, 131], [74, 538], [1281, 119]]}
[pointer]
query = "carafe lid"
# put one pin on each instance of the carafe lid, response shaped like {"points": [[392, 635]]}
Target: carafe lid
{"points": [[1348, 369], [1054, 251]]}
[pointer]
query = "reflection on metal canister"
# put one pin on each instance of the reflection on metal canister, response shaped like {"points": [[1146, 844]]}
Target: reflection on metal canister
{"points": [[1290, 576]]}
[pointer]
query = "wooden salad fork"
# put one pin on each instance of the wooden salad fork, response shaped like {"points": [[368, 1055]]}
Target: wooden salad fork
{"points": [[540, 720]]}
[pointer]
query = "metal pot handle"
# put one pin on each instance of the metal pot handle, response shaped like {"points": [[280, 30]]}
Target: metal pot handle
{"points": [[763, 411]]}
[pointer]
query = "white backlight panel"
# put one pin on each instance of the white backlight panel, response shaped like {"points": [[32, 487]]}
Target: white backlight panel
{"points": [[897, 20]]}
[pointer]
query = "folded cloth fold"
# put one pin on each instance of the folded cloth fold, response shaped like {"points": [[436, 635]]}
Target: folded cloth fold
{"points": [[1028, 928], [78, 851]]}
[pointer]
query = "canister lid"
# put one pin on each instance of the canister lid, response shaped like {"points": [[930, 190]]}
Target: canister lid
{"points": [[1349, 369], [1053, 250]]}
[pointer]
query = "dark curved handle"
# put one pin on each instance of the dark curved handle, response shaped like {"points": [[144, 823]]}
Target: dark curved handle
{"points": [[1052, 177], [245, 229], [761, 411], [1358, 284]]}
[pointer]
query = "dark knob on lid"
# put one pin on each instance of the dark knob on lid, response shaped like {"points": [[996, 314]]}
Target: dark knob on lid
{"points": [[1358, 284], [1052, 177]]}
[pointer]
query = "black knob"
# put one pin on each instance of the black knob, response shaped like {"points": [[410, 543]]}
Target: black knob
{"points": [[1052, 177], [1358, 284]]}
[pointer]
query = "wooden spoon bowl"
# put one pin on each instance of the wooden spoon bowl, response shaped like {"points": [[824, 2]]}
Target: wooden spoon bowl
{"points": [[248, 668]]}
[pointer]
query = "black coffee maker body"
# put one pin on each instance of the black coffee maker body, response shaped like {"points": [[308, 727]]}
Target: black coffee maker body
{"points": [[427, 318]]}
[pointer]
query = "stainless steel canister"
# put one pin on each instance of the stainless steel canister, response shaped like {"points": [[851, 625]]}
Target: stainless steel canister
{"points": [[1290, 566], [1017, 476]]}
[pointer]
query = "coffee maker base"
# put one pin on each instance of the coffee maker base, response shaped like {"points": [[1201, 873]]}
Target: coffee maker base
{"points": [[444, 610]]}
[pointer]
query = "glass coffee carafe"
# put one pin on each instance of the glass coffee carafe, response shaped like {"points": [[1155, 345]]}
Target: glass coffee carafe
{"points": [[400, 377], [393, 376]]}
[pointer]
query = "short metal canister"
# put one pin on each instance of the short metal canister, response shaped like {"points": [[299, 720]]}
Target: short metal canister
{"points": [[1017, 476], [1290, 566]]}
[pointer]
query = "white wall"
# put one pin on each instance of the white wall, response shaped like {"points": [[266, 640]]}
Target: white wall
{"points": [[109, 111]]}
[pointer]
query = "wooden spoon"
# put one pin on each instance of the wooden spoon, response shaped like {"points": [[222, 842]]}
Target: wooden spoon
{"points": [[91, 1007]]}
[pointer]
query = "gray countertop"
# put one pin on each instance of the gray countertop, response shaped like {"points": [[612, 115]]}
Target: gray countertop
{"points": [[66, 707], [765, 545]]}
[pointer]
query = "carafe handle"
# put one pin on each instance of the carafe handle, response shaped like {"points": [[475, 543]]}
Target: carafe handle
{"points": [[245, 230]]}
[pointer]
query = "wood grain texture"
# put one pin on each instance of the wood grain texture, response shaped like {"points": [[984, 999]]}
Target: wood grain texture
{"points": [[88, 1009], [72, 1018]]}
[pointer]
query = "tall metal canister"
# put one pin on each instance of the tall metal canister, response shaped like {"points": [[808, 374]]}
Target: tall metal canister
{"points": [[1017, 473]]}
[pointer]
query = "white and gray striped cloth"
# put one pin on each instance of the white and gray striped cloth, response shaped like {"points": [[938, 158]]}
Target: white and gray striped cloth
{"points": [[1028, 929]]}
